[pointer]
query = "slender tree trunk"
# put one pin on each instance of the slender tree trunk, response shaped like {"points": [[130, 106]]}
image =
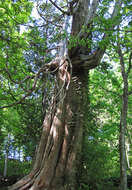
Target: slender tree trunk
{"points": [[5, 164], [6, 155], [127, 155], [123, 161], [123, 123], [127, 151]]}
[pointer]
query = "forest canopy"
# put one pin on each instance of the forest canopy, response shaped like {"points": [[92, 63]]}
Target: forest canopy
{"points": [[65, 94]]}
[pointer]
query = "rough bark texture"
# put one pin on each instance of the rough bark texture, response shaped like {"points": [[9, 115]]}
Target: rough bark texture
{"points": [[60, 146], [123, 124], [58, 156]]}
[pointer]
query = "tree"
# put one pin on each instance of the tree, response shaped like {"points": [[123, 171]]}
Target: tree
{"points": [[120, 52], [124, 52], [58, 155]]}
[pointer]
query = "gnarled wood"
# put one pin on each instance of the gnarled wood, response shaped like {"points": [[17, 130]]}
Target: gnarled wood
{"points": [[58, 153], [57, 159]]}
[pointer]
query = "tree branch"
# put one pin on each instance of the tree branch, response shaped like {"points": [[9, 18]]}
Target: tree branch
{"points": [[113, 15], [28, 92], [130, 63], [17, 102], [48, 21], [17, 82], [58, 7], [124, 74], [92, 12], [51, 67]]}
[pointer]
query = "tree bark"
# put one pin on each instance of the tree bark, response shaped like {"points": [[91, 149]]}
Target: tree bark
{"points": [[61, 142], [58, 155], [6, 155], [123, 123], [123, 161], [5, 164]]}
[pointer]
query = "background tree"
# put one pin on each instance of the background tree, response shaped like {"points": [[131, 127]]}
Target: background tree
{"points": [[58, 153], [124, 52], [120, 52]]}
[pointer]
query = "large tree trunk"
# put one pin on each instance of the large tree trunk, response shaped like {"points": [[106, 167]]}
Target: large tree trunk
{"points": [[58, 156], [61, 142]]}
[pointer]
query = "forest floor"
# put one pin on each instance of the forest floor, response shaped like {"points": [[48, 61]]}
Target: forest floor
{"points": [[7, 181], [107, 184]]}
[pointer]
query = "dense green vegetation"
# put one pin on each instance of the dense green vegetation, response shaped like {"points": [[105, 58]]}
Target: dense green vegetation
{"points": [[28, 42]]}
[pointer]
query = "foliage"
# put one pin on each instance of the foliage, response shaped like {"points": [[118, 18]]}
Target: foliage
{"points": [[15, 167], [26, 43]]}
